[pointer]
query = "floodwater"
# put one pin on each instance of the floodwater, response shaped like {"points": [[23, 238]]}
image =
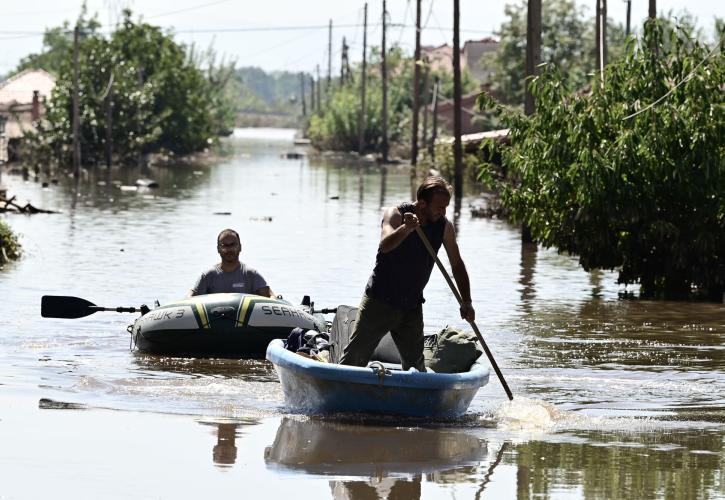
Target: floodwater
{"points": [[614, 398]]}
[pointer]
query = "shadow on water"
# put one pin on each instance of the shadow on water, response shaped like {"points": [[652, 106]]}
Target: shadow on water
{"points": [[247, 369]]}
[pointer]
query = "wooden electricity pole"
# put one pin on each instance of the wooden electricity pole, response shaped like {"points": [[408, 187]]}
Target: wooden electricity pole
{"points": [[109, 123], [329, 60], [302, 94], [319, 89], [434, 125], [76, 108], [457, 146], [312, 94], [533, 58], [533, 50], [384, 76], [416, 94], [363, 78], [652, 9], [629, 16], [344, 65], [601, 34], [426, 100]]}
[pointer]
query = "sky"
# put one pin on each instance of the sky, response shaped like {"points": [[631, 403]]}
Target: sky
{"points": [[292, 34]]}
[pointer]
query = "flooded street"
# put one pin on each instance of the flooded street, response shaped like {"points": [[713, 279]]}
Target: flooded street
{"points": [[614, 398]]}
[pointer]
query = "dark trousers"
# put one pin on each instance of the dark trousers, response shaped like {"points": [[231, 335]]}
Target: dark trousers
{"points": [[374, 320]]}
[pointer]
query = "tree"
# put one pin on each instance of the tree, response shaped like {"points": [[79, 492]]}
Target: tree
{"points": [[161, 99], [630, 175], [568, 41]]}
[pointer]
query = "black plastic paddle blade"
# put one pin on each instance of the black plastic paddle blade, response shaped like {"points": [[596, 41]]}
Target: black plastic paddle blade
{"points": [[59, 306]]}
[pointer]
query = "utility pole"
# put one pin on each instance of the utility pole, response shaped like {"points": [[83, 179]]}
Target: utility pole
{"points": [[312, 94], [329, 60], [533, 57], [384, 76], [76, 108], [319, 90], [434, 127], [601, 34], [344, 65], [426, 100], [416, 96], [533, 50], [652, 9], [361, 121], [457, 146], [629, 15], [109, 123], [302, 94]]}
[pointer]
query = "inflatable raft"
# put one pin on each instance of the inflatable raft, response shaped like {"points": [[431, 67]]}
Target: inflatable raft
{"points": [[231, 325]]}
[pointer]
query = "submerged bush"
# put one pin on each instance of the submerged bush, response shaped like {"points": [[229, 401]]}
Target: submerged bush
{"points": [[9, 245]]}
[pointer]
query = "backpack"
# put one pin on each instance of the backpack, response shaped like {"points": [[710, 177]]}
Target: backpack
{"points": [[451, 351]]}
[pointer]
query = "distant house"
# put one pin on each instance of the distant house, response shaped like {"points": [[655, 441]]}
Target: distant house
{"points": [[439, 58], [473, 52], [22, 105]]}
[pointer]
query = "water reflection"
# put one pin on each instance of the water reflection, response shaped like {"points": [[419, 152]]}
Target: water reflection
{"points": [[224, 452], [381, 453], [526, 277]]}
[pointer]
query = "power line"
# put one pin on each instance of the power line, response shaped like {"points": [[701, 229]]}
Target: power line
{"points": [[187, 9]]}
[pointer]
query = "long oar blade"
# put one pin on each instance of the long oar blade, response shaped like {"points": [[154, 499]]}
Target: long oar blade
{"points": [[59, 306]]}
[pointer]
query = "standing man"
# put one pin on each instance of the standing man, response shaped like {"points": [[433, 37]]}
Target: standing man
{"points": [[393, 299], [230, 275]]}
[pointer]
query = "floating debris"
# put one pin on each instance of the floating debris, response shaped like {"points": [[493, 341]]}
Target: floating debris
{"points": [[147, 183], [50, 404]]}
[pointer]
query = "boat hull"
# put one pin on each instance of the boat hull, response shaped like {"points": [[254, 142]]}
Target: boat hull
{"points": [[232, 325], [313, 387]]}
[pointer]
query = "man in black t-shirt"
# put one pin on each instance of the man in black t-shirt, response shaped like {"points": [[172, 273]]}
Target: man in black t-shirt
{"points": [[393, 299]]}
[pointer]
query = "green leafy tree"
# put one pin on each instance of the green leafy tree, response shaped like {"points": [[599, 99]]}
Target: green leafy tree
{"points": [[568, 41], [161, 98], [631, 175]]}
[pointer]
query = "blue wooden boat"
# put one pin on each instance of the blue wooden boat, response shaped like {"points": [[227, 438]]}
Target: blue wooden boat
{"points": [[312, 386]]}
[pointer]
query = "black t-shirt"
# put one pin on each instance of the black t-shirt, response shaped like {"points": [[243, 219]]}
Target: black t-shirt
{"points": [[400, 275]]}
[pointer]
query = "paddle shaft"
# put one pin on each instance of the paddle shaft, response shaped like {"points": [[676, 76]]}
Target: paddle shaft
{"points": [[454, 289]]}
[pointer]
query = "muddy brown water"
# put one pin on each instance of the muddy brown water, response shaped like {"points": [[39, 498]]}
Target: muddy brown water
{"points": [[614, 398]]}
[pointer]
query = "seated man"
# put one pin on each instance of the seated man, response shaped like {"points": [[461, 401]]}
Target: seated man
{"points": [[230, 275]]}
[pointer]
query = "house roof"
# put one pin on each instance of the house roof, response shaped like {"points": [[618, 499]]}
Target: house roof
{"points": [[20, 87]]}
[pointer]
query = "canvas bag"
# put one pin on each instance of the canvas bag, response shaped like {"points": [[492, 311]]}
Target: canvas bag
{"points": [[451, 351]]}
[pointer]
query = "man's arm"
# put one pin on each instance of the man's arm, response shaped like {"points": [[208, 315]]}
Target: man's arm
{"points": [[395, 228], [265, 291], [460, 274]]}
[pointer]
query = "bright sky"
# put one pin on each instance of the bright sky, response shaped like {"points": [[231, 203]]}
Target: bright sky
{"points": [[292, 34]]}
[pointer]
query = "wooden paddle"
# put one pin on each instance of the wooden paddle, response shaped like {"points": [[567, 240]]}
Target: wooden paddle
{"points": [[59, 306], [432, 252]]}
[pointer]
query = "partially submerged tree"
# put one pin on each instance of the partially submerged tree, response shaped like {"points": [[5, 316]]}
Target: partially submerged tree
{"points": [[568, 41], [162, 98], [631, 175]]}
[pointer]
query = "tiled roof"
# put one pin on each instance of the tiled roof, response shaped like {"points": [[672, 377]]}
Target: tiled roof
{"points": [[19, 88]]}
